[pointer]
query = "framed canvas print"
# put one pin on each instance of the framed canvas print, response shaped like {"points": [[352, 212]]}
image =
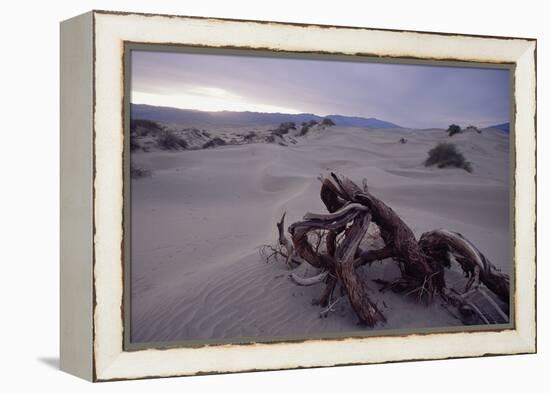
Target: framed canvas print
{"points": [[245, 195]]}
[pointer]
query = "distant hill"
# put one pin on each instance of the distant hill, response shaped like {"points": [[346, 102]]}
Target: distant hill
{"points": [[504, 127], [353, 121], [186, 116]]}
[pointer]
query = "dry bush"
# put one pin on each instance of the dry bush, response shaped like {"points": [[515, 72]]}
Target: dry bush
{"points": [[250, 136], [473, 128], [446, 155], [134, 145], [454, 129], [284, 128], [143, 127], [138, 172], [214, 142], [170, 141], [307, 126]]}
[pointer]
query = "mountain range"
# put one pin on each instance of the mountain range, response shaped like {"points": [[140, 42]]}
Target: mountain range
{"points": [[187, 116], [503, 127]]}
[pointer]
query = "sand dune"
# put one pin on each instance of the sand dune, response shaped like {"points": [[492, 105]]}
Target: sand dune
{"points": [[198, 222]]}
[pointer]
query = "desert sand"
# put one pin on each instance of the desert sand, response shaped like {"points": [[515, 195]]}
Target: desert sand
{"points": [[198, 223]]}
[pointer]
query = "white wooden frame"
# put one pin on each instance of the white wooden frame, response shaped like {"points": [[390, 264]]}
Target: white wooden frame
{"points": [[92, 194]]}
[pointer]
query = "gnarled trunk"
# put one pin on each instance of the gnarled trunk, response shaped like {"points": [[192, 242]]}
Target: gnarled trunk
{"points": [[351, 209]]}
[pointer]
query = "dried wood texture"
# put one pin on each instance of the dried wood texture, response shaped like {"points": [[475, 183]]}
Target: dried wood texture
{"points": [[351, 209], [441, 244]]}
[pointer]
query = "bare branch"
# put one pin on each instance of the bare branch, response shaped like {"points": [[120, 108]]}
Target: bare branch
{"points": [[350, 211], [472, 261]]}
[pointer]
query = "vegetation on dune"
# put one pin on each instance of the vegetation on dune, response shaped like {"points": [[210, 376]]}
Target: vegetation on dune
{"points": [[138, 173], [214, 142], [143, 127], [454, 129], [250, 136], [284, 128], [446, 155], [170, 141], [473, 128], [306, 127], [134, 145]]}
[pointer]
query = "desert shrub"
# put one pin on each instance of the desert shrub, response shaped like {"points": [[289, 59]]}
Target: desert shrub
{"points": [[403, 140], [134, 145], [270, 139], [473, 128], [289, 125], [328, 122], [307, 126], [446, 155], [284, 128], [454, 129], [143, 127], [169, 141], [250, 136], [138, 173], [214, 142]]}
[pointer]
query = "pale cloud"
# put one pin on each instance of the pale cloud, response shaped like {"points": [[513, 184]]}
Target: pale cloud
{"points": [[409, 95], [206, 98]]}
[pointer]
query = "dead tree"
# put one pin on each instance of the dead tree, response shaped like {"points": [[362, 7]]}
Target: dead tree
{"points": [[422, 263], [340, 265], [284, 248], [399, 240]]}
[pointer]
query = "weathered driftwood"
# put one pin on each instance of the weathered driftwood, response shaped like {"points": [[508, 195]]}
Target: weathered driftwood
{"points": [[284, 248], [351, 209], [418, 276], [441, 244], [339, 265]]}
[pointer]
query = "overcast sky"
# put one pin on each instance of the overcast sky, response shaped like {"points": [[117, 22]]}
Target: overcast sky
{"points": [[409, 95]]}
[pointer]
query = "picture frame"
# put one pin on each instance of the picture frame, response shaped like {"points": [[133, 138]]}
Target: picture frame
{"points": [[95, 233]]}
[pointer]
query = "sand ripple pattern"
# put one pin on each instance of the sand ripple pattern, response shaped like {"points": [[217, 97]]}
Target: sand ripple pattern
{"points": [[199, 220]]}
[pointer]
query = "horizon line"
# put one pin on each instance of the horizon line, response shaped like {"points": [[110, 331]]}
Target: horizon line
{"points": [[465, 124], [272, 113]]}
